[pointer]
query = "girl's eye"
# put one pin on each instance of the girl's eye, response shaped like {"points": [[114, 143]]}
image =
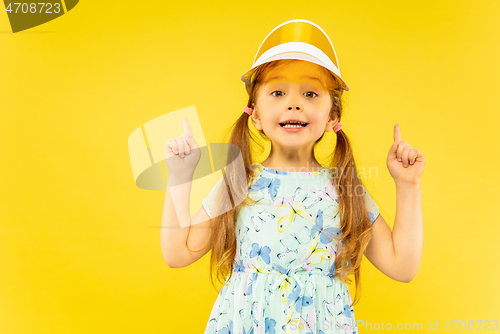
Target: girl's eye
{"points": [[278, 91]]}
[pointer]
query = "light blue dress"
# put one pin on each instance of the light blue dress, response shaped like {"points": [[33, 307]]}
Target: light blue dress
{"points": [[282, 280]]}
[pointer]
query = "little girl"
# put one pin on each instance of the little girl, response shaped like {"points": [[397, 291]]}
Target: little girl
{"points": [[300, 228]]}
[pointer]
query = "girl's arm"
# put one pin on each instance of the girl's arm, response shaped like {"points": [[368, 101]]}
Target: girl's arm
{"points": [[182, 154], [397, 253], [173, 236]]}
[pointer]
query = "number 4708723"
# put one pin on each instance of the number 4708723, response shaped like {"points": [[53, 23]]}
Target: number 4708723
{"points": [[470, 324], [32, 7]]}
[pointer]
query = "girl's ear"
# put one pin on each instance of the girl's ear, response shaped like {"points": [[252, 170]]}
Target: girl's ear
{"points": [[256, 120], [330, 124]]}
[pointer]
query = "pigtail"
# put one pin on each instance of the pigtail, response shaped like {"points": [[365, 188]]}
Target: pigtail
{"points": [[223, 229], [354, 219]]}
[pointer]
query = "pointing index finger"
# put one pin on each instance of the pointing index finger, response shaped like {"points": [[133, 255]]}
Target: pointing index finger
{"points": [[187, 128], [397, 133]]}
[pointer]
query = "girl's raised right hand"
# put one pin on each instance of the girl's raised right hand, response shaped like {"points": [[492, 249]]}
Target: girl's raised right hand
{"points": [[182, 153]]}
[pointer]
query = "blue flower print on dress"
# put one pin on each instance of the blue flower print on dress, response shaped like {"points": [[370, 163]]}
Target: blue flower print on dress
{"points": [[347, 311], [244, 332], [263, 183], [298, 300], [318, 228], [270, 324], [332, 271], [263, 252], [228, 329], [238, 266]]}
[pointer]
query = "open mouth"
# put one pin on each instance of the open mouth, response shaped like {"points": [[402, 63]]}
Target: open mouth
{"points": [[291, 125]]}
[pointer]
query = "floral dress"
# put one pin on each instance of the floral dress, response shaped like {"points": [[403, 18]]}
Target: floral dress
{"points": [[283, 280]]}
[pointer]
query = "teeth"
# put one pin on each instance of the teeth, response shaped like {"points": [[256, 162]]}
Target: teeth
{"points": [[293, 125]]}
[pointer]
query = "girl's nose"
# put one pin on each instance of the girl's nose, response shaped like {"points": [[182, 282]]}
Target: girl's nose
{"points": [[293, 102]]}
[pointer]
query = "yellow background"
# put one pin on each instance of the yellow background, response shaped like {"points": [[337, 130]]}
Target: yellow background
{"points": [[80, 243]]}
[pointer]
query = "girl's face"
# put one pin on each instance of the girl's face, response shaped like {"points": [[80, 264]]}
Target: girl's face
{"points": [[291, 92]]}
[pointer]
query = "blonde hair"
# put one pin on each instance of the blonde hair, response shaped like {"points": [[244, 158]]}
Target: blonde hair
{"points": [[354, 219]]}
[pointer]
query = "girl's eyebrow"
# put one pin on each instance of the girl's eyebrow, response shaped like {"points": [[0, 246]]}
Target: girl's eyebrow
{"points": [[302, 77]]}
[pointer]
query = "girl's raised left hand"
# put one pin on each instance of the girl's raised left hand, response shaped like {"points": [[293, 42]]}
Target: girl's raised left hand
{"points": [[405, 163]]}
